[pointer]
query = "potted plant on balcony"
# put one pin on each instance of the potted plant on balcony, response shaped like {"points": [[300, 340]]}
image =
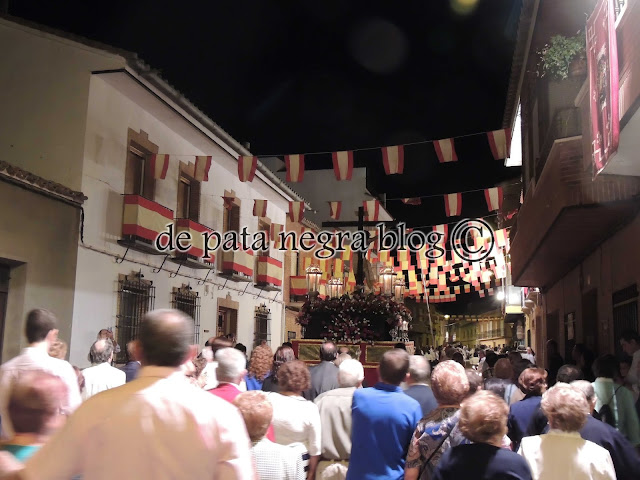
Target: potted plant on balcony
{"points": [[563, 57]]}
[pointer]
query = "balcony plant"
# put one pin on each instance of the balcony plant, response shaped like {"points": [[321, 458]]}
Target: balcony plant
{"points": [[563, 57]]}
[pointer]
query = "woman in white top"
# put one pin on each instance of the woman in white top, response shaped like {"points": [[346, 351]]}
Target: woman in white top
{"points": [[562, 453], [294, 418]]}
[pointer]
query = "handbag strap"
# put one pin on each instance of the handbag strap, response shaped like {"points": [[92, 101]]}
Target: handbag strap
{"points": [[424, 465]]}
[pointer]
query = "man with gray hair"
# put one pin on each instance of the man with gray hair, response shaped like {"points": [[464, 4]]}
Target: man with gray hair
{"points": [[626, 460], [229, 372], [101, 375], [157, 426], [335, 417], [417, 384]]}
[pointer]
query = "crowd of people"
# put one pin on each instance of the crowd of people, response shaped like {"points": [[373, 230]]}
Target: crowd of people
{"points": [[171, 412]]}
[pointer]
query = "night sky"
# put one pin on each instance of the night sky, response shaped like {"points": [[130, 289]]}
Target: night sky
{"points": [[318, 76]]}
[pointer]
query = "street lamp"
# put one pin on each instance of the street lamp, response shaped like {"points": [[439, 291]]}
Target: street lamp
{"points": [[313, 279], [386, 280], [335, 287]]}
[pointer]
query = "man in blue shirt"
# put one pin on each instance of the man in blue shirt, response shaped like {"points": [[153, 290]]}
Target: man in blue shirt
{"points": [[384, 419]]}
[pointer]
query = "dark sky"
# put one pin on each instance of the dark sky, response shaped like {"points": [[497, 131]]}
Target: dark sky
{"points": [[323, 75]]}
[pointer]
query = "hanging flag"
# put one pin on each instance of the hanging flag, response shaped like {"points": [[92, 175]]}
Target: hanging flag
{"points": [[228, 202], [444, 230], [446, 151], [500, 143], [412, 201], [335, 209], [259, 208], [501, 237], [276, 228], [295, 167], [201, 170], [494, 198], [393, 159], [159, 166], [247, 168], [296, 211], [453, 204], [371, 210], [343, 164]]}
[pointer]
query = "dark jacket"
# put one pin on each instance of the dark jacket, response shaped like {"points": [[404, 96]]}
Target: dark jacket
{"points": [[424, 396], [324, 377], [525, 419], [481, 461], [131, 370]]}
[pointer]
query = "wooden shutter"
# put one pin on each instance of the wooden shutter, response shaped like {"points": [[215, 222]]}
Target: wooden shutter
{"points": [[194, 201]]}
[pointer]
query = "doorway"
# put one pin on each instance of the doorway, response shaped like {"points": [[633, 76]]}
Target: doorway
{"points": [[4, 294], [227, 322], [590, 320]]}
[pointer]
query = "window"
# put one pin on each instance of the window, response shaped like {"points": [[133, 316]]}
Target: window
{"points": [[188, 194], [262, 330], [135, 298], [139, 179], [188, 301]]}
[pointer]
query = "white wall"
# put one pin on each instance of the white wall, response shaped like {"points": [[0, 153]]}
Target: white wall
{"points": [[110, 114], [44, 86]]}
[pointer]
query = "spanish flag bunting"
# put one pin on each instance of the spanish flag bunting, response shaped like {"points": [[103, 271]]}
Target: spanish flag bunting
{"points": [[502, 238], [412, 201], [295, 167], [159, 166], [228, 202], [494, 198], [334, 210], [393, 159], [500, 143], [247, 168], [371, 210], [343, 165], [260, 208], [444, 231], [446, 151], [296, 211], [201, 170], [453, 204]]}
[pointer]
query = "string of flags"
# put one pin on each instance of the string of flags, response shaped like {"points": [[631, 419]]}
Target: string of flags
{"points": [[499, 142]]}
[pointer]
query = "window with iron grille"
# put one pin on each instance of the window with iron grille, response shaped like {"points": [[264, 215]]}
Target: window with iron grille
{"points": [[135, 298], [262, 330], [188, 301]]}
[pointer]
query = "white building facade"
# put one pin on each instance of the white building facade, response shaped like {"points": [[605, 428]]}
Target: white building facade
{"points": [[123, 114]]}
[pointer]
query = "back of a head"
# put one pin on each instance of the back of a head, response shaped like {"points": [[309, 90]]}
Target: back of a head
{"points": [[519, 367], [341, 358], [503, 369], [256, 411], [458, 357], [231, 364], [552, 346], [533, 381], [219, 343], [483, 417], [101, 351], [475, 381], [283, 355], [131, 351], [38, 325], [492, 358], [568, 373], [449, 383], [261, 362], [35, 401], [165, 336], [240, 347], [350, 373], [328, 352], [394, 366], [630, 336], [606, 366], [566, 407], [514, 357], [586, 388], [400, 345], [419, 369]]}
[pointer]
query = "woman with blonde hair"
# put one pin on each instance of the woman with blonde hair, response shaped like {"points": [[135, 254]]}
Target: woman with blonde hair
{"points": [[483, 420], [525, 417], [437, 432], [259, 367], [562, 453]]}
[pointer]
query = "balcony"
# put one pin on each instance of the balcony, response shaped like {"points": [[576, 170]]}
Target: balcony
{"points": [[489, 334], [142, 221], [237, 266], [269, 273], [193, 257]]}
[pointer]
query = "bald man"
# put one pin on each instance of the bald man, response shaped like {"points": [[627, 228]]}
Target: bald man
{"points": [[101, 376]]}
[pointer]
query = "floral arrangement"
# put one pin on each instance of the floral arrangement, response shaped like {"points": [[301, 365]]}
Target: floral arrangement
{"points": [[559, 57], [359, 318]]}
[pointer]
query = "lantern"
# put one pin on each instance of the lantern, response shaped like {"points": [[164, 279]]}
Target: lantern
{"points": [[386, 280], [334, 287], [313, 279], [398, 290]]}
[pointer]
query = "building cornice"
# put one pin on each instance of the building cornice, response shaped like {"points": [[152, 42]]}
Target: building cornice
{"points": [[22, 178]]}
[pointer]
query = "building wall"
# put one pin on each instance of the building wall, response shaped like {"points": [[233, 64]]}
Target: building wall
{"points": [[612, 266], [44, 87], [39, 238], [110, 113]]}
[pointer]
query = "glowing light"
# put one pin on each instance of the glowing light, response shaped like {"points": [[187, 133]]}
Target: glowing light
{"points": [[463, 7], [500, 295], [447, 317]]}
